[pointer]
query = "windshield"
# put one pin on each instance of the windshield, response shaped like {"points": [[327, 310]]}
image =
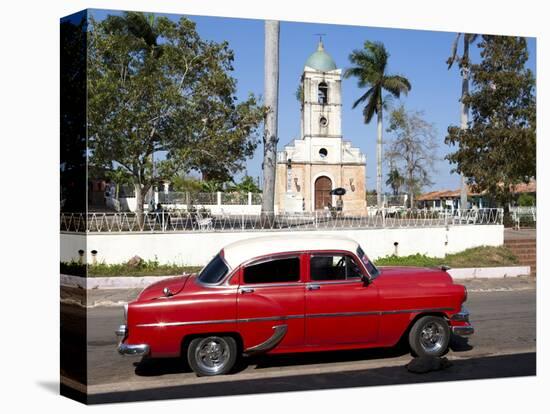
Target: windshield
{"points": [[371, 268], [214, 271]]}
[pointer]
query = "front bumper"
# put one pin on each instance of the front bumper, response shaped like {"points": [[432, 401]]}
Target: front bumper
{"points": [[460, 323], [128, 349], [463, 330]]}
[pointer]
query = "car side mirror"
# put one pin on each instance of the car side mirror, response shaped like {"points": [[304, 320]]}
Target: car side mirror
{"points": [[365, 279]]}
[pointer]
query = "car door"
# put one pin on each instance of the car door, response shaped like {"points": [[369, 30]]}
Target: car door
{"points": [[270, 303], [340, 307]]}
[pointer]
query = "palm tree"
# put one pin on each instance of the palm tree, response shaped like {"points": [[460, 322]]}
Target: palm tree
{"points": [[370, 70], [395, 180], [463, 63], [271, 92]]}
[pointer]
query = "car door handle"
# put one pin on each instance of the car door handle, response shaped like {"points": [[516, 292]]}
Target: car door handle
{"points": [[247, 290], [313, 287]]}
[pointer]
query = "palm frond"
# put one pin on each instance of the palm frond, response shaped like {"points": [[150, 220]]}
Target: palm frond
{"points": [[454, 49], [372, 105], [396, 85], [379, 55], [363, 98]]}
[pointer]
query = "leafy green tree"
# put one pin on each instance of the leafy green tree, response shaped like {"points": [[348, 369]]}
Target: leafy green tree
{"points": [[370, 70], [526, 200], [156, 87], [184, 183], [412, 149], [463, 63], [499, 147], [211, 186], [119, 176], [246, 185]]}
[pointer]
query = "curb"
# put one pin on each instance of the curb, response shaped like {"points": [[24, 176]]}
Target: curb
{"points": [[489, 272], [117, 282], [140, 282]]}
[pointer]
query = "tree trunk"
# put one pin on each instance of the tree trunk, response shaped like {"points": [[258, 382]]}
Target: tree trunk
{"points": [[271, 92], [140, 199], [379, 160], [411, 186], [465, 69]]}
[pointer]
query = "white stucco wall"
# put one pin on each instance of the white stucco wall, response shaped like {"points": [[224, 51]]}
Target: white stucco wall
{"points": [[196, 248]]}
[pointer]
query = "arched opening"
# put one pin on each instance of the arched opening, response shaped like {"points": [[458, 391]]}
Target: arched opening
{"points": [[323, 93], [323, 199]]}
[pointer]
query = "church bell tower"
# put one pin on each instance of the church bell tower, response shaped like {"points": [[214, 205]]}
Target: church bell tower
{"points": [[310, 167], [321, 96]]}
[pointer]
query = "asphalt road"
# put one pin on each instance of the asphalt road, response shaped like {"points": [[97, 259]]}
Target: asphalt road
{"points": [[504, 345]]}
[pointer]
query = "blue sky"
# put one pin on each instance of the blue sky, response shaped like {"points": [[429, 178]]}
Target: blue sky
{"points": [[417, 54]]}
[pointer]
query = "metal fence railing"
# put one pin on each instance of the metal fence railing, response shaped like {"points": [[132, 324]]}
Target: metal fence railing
{"points": [[202, 221], [213, 198]]}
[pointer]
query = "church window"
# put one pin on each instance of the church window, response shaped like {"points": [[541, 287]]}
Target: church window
{"points": [[323, 152], [323, 93], [323, 121]]}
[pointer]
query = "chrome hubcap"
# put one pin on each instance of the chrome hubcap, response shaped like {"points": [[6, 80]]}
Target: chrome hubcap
{"points": [[432, 337], [212, 354]]}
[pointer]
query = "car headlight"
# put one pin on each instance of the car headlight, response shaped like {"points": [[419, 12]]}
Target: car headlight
{"points": [[126, 312]]}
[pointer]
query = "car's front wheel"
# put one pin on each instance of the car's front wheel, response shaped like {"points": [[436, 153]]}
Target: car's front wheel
{"points": [[429, 336], [212, 355]]}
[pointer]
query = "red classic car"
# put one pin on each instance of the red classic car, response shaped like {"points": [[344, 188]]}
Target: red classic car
{"points": [[286, 295]]}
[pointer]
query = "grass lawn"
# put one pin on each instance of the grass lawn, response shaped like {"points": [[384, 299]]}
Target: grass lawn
{"points": [[484, 256]]}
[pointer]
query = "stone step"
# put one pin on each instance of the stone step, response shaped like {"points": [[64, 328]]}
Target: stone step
{"points": [[520, 242], [523, 249], [524, 257]]}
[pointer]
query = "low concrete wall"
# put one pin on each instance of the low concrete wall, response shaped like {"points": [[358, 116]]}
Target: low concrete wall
{"points": [[196, 248], [140, 282]]}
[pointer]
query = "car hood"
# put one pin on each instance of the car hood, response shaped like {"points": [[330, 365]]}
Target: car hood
{"points": [[156, 290], [401, 275]]}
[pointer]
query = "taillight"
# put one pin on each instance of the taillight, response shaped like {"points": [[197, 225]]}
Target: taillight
{"points": [[465, 295]]}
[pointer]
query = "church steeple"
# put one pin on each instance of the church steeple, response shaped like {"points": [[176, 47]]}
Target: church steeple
{"points": [[320, 60], [321, 86]]}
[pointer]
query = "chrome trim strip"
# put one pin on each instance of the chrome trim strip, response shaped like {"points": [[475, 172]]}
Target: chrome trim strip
{"points": [[279, 332], [332, 315], [335, 282], [268, 285], [283, 318], [270, 318], [393, 312], [163, 324]]}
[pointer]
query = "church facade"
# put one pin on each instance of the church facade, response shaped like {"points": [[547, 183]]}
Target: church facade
{"points": [[310, 167]]}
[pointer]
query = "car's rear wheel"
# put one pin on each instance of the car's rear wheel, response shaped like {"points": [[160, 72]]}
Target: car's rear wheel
{"points": [[212, 355], [429, 336]]}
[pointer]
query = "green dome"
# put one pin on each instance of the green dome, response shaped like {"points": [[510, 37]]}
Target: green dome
{"points": [[321, 60]]}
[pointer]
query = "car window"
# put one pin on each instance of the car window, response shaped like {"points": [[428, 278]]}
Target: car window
{"points": [[333, 267], [214, 271], [371, 268], [273, 271]]}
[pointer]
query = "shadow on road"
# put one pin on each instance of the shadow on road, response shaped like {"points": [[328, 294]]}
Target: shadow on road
{"points": [[158, 367], [459, 344], [515, 365]]}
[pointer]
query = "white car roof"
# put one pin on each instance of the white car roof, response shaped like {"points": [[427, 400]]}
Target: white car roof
{"points": [[243, 250]]}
